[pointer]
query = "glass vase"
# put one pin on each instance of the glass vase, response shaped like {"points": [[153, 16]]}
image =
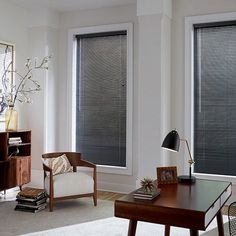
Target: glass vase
{"points": [[11, 117]]}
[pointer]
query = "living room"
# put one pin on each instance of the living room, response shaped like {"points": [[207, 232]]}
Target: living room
{"points": [[161, 66]]}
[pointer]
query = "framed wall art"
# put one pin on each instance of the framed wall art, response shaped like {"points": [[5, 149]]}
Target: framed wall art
{"points": [[6, 77]]}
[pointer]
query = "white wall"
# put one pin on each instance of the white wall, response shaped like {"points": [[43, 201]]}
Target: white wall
{"points": [[154, 90], [84, 19], [34, 36], [149, 99], [13, 29], [182, 8], [42, 113]]}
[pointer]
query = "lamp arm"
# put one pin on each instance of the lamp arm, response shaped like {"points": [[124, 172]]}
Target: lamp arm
{"points": [[191, 161]]}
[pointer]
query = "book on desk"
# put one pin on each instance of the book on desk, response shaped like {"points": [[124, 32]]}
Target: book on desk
{"points": [[141, 193]]}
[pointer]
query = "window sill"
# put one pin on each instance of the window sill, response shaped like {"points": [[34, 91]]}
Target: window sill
{"points": [[230, 178], [114, 170]]}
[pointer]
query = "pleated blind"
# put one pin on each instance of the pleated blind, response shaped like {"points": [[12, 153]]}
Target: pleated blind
{"points": [[101, 97], [215, 98]]}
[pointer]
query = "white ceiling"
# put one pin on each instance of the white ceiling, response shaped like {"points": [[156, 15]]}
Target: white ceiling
{"points": [[70, 5]]}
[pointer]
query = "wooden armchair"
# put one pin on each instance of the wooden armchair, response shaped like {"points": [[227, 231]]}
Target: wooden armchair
{"points": [[70, 185]]}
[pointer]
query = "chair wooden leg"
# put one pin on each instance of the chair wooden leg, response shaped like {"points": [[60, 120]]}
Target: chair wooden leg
{"points": [[95, 199], [50, 204]]}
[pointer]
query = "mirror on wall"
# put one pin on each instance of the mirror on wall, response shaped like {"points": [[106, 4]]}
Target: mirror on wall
{"points": [[6, 72]]}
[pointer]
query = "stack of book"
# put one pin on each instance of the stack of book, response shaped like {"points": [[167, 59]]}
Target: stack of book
{"points": [[146, 195], [31, 200], [14, 140]]}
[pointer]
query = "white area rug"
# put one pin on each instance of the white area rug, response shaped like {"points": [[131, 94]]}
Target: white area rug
{"points": [[119, 227]]}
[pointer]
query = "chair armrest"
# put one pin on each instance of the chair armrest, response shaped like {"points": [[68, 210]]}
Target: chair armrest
{"points": [[46, 168], [86, 163]]}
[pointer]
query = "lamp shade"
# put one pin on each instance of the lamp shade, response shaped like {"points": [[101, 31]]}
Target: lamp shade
{"points": [[171, 141]]}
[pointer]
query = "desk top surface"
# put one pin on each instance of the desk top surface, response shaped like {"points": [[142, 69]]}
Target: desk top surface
{"points": [[199, 196]]}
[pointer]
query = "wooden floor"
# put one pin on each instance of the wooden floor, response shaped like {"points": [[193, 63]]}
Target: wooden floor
{"points": [[110, 196], [102, 195]]}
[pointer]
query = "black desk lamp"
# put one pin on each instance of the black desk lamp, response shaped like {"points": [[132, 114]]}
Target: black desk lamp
{"points": [[171, 143]]}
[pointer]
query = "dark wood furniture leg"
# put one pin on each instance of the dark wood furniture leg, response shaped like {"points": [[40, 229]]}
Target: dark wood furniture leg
{"points": [[167, 230], [194, 232], [132, 227], [220, 224]]}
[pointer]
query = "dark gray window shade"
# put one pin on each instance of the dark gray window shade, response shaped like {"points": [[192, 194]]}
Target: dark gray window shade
{"points": [[101, 98], [215, 99]]}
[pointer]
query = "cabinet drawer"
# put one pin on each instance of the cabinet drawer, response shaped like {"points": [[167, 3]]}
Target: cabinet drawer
{"points": [[212, 212], [22, 170], [225, 195]]}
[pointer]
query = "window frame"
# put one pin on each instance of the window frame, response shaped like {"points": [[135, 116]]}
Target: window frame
{"points": [[189, 83], [71, 91]]}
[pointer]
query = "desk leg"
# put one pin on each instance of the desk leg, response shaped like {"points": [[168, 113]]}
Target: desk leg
{"points": [[194, 232], [220, 224], [167, 230], [132, 227]]}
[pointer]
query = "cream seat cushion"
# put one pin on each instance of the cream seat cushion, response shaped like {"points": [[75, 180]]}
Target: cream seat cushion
{"points": [[71, 183]]}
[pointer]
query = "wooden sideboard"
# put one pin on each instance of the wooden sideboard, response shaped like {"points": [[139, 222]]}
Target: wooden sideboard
{"points": [[15, 159]]}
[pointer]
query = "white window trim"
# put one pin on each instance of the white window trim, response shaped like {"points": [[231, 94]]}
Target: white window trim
{"points": [[189, 22], [71, 83]]}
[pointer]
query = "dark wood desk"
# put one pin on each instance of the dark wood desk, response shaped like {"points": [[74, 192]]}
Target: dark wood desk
{"points": [[189, 206]]}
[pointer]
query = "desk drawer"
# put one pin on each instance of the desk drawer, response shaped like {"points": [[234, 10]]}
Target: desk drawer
{"points": [[225, 195], [212, 212]]}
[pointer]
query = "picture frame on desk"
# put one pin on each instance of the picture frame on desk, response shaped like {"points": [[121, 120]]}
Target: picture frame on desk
{"points": [[167, 175]]}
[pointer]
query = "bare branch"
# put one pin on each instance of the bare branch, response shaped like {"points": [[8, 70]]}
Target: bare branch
{"points": [[25, 84]]}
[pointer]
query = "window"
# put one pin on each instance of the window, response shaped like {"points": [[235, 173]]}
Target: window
{"points": [[101, 99], [214, 102]]}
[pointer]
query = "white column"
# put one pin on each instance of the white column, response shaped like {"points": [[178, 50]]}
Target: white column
{"points": [[154, 83]]}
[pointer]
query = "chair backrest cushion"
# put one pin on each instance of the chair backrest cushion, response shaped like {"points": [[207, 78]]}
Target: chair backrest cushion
{"points": [[59, 165]]}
